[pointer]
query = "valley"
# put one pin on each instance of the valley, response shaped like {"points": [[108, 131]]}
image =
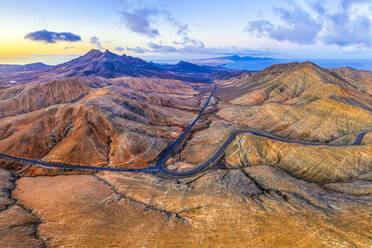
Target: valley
{"points": [[276, 158]]}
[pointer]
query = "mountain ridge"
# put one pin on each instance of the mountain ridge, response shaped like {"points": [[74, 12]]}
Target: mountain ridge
{"points": [[8, 68], [110, 65]]}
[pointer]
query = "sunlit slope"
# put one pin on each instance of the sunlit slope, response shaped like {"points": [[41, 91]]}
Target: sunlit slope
{"points": [[122, 122], [296, 101]]}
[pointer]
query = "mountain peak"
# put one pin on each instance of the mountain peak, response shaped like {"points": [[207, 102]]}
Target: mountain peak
{"points": [[94, 53], [110, 65], [184, 63], [109, 55], [308, 63], [235, 57], [108, 52]]}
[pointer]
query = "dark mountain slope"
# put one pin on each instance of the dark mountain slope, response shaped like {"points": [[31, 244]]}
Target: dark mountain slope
{"points": [[21, 68]]}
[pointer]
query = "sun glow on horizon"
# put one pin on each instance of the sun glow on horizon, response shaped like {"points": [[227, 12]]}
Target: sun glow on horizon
{"points": [[181, 29]]}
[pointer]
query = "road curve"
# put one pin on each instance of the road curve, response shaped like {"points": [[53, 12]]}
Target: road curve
{"points": [[160, 167]]}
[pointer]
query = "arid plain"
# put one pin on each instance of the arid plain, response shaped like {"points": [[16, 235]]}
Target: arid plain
{"points": [[308, 186]]}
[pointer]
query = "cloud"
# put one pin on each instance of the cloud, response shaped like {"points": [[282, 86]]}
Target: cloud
{"points": [[141, 20], [343, 30], [221, 50], [52, 37], [187, 41], [159, 48], [69, 47], [95, 41], [192, 46], [348, 3], [299, 27], [138, 21], [317, 6], [182, 29], [137, 49], [119, 49], [343, 27]]}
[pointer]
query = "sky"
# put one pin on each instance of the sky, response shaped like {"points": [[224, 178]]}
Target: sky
{"points": [[52, 31]]}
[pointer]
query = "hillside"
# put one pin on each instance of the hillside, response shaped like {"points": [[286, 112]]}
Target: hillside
{"points": [[71, 118], [297, 101], [297, 174]]}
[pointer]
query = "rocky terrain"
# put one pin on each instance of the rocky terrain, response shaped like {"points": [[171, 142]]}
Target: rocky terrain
{"points": [[308, 187], [123, 122]]}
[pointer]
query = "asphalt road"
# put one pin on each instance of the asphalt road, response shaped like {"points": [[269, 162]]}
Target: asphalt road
{"points": [[160, 167]]}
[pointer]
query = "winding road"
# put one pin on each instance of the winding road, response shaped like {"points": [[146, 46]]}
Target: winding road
{"points": [[160, 167]]}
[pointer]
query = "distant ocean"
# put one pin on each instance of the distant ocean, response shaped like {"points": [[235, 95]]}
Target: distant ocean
{"points": [[256, 65]]}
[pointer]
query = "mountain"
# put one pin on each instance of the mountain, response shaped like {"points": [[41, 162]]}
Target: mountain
{"points": [[109, 65], [222, 61], [241, 58], [22, 68], [299, 101], [359, 78], [186, 67], [121, 122], [207, 73], [293, 176], [102, 64]]}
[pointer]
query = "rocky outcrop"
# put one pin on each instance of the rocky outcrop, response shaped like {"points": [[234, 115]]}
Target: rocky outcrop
{"points": [[311, 163], [6, 185], [17, 225]]}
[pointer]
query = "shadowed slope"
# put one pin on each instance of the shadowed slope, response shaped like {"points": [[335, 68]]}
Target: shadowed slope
{"points": [[126, 122]]}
